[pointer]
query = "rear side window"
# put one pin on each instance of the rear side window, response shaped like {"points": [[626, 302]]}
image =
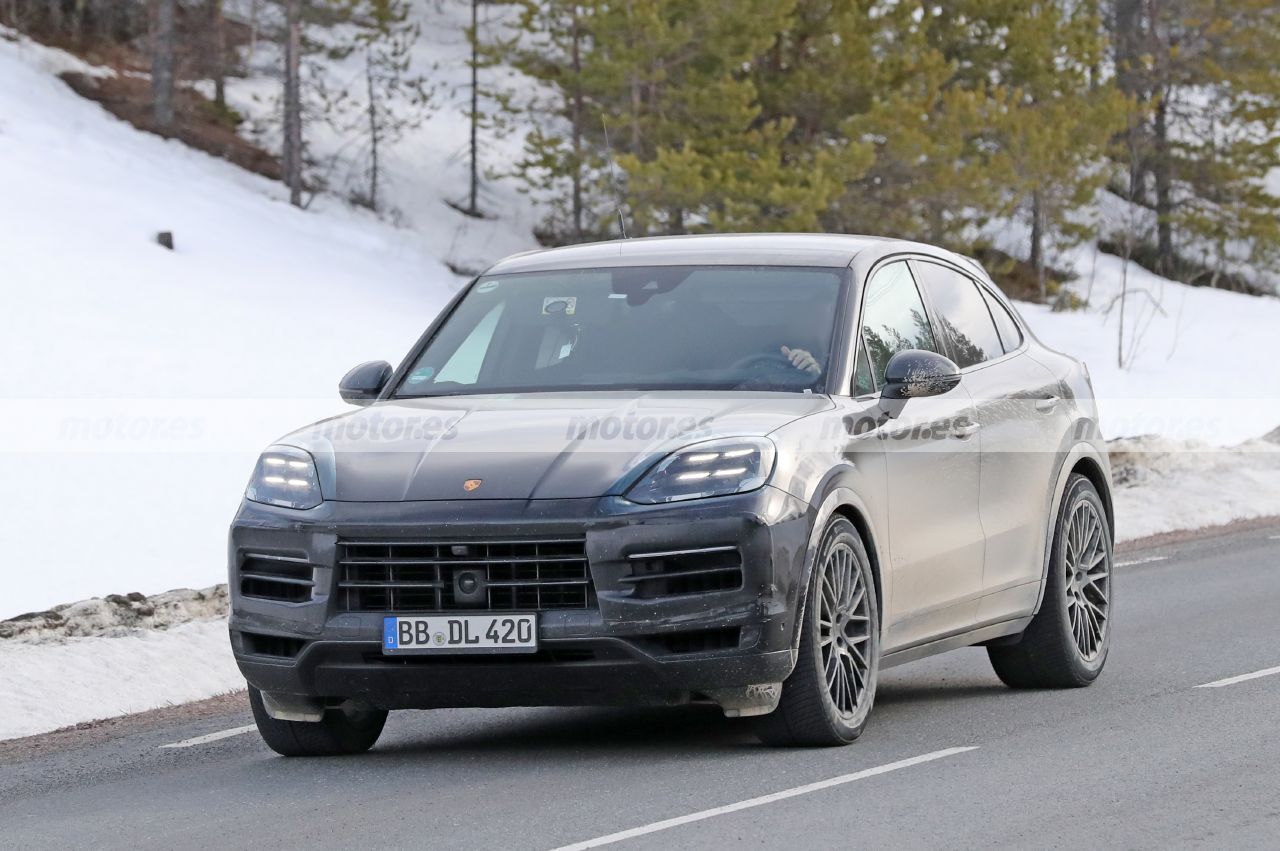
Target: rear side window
{"points": [[961, 311], [893, 317], [1010, 334]]}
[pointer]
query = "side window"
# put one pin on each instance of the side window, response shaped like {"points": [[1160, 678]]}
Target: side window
{"points": [[962, 314], [863, 383], [893, 317], [463, 366], [1010, 334]]}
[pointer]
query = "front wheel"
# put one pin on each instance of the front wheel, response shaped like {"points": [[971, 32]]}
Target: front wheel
{"points": [[340, 732], [1066, 643], [828, 697]]}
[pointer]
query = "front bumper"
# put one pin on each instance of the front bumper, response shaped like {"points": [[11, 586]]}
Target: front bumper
{"points": [[623, 649]]}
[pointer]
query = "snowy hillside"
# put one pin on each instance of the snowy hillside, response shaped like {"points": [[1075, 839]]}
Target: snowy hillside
{"points": [[139, 384]]}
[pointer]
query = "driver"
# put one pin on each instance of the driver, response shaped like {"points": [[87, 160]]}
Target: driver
{"points": [[802, 360]]}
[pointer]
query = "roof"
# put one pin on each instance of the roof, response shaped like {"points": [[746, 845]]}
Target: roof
{"points": [[749, 249]]}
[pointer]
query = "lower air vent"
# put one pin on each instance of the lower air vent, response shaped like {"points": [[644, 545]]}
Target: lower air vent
{"points": [[283, 579], [676, 572], [702, 641], [278, 646]]}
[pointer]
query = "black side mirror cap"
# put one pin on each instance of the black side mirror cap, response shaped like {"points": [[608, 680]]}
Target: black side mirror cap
{"points": [[915, 374], [362, 384]]}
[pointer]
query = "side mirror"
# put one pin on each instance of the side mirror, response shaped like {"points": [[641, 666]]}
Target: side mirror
{"points": [[914, 374], [362, 385]]}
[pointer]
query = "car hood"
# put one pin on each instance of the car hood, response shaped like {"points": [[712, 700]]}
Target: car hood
{"points": [[526, 446]]}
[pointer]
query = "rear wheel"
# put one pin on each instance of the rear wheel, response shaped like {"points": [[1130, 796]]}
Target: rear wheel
{"points": [[341, 731], [1066, 643], [828, 697]]}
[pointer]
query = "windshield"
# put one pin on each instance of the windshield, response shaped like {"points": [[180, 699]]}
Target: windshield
{"points": [[635, 328]]}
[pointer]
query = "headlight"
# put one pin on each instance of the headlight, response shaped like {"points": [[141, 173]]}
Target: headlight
{"points": [[713, 468], [285, 476]]}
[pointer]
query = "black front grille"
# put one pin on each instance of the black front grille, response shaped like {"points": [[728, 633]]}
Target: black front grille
{"points": [[446, 576]]}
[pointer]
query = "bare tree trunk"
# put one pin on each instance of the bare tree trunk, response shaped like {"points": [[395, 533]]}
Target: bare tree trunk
{"points": [[162, 64], [1128, 38], [373, 134], [472, 207], [293, 101], [1164, 189], [218, 49], [576, 118], [254, 8], [1037, 244]]}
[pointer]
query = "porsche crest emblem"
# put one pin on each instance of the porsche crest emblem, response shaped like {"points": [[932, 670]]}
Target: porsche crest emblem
{"points": [[471, 484]]}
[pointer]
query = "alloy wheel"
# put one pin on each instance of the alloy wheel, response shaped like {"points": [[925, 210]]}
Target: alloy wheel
{"points": [[844, 629], [1087, 562]]}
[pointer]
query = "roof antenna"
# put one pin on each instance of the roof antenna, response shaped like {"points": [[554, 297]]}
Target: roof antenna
{"points": [[613, 179]]}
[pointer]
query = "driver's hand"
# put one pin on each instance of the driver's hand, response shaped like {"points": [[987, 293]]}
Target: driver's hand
{"points": [[802, 360]]}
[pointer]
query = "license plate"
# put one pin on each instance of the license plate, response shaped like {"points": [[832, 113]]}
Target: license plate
{"points": [[488, 633]]}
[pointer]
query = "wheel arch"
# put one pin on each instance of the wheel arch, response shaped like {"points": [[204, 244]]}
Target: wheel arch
{"points": [[842, 502], [1089, 460]]}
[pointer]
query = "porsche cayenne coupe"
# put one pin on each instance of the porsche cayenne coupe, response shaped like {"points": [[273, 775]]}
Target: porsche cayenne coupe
{"points": [[753, 470]]}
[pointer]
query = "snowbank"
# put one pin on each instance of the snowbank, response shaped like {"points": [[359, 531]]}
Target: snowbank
{"points": [[48, 685], [1166, 486]]}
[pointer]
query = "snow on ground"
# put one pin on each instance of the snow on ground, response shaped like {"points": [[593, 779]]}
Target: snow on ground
{"points": [[429, 167], [1200, 363], [48, 685], [1166, 486]]}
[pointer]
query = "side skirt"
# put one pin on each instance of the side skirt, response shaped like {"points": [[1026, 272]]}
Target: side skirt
{"points": [[954, 642]]}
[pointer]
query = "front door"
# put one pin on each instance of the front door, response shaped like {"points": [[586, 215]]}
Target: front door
{"points": [[932, 457]]}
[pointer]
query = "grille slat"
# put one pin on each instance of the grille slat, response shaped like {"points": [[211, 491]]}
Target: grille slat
{"points": [[268, 576], [434, 576]]}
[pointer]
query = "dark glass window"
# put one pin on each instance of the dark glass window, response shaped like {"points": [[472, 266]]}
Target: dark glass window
{"points": [[634, 328], [1010, 334], [961, 311], [893, 317]]}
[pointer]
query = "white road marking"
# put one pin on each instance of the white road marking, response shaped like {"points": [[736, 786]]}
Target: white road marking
{"points": [[211, 737], [1147, 560], [761, 801], [1275, 538], [1230, 681]]}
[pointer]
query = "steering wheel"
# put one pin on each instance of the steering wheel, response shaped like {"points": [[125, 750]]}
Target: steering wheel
{"points": [[770, 359]]}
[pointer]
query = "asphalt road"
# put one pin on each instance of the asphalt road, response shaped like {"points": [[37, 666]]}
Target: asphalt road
{"points": [[1143, 759]]}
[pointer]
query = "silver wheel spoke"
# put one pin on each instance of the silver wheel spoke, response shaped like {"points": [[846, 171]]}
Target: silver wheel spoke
{"points": [[1087, 568], [844, 638]]}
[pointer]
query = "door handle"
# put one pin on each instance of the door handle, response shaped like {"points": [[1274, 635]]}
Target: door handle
{"points": [[964, 429], [1048, 403]]}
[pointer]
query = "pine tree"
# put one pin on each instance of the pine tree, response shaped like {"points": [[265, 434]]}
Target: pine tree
{"points": [[1205, 144], [561, 162], [1055, 118], [935, 172]]}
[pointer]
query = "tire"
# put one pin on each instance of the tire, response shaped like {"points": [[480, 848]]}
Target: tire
{"points": [[339, 733], [816, 710], [1067, 642]]}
